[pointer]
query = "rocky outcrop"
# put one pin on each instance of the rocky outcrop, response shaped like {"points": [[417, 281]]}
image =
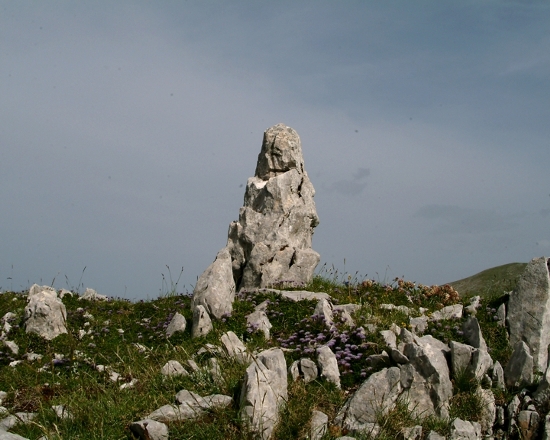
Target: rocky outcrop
{"points": [[45, 313], [529, 311], [271, 241]]}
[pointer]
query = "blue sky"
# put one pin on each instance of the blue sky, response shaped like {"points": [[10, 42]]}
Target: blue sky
{"points": [[129, 130]]}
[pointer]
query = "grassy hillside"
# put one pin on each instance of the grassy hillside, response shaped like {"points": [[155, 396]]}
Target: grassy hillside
{"points": [[130, 339], [503, 278]]}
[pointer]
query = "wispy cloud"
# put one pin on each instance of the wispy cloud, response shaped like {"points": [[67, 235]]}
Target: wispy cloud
{"points": [[353, 186]]}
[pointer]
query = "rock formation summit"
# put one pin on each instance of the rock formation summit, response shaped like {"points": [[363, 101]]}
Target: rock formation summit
{"points": [[271, 241]]}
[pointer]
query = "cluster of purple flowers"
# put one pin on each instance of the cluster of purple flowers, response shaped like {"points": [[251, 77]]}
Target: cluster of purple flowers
{"points": [[349, 345]]}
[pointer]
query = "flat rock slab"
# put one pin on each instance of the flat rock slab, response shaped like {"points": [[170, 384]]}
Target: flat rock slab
{"points": [[294, 295]]}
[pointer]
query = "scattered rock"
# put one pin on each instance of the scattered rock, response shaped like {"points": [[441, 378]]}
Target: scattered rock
{"points": [[475, 303], [177, 324], [92, 295], [419, 325], [234, 347], [263, 393], [328, 365], [45, 313], [432, 435], [10, 421], [14, 348], [498, 376], [202, 324], [319, 423], [11, 436], [62, 412], [149, 429], [324, 309], [411, 433], [308, 369], [449, 312], [258, 320], [173, 368], [501, 315]]}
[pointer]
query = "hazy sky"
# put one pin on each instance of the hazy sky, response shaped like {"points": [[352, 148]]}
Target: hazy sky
{"points": [[128, 131]]}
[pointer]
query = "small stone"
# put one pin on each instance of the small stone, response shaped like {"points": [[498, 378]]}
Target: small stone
{"points": [[411, 433], [149, 429], [177, 324], [173, 368], [294, 370], [92, 295], [202, 324], [309, 369], [235, 347], [328, 365]]}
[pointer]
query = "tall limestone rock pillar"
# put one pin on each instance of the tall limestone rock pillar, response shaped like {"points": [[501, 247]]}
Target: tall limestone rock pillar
{"points": [[529, 311], [271, 241]]}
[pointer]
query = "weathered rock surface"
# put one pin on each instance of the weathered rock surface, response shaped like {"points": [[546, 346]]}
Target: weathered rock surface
{"points": [[472, 333], [234, 347], [328, 365], [177, 324], [173, 368], [377, 395], [488, 410], [202, 324], [528, 424], [264, 391], [427, 356], [11, 436], [189, 406], [271, 241], [319, 423], [519, 369], [149, 429], [45, 313], [215, 288], [464, 430], [449, 312], [529, 311], [258, 320], [92, 295]]}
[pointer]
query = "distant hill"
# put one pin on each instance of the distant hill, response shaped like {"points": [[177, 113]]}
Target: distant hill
{"points": [[503, 277]]}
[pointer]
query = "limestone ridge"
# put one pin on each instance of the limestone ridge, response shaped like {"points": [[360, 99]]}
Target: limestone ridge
{"points": [[271, 241]]}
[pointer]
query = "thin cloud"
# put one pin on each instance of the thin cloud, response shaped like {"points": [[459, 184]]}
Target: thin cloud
{"points": [[353, 186]]}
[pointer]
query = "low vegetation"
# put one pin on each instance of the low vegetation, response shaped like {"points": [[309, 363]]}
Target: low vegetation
{"points": [[129, 339]]}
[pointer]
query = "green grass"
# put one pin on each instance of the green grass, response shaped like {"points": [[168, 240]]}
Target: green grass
{"points": [[503, 278], [68, 375]]}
